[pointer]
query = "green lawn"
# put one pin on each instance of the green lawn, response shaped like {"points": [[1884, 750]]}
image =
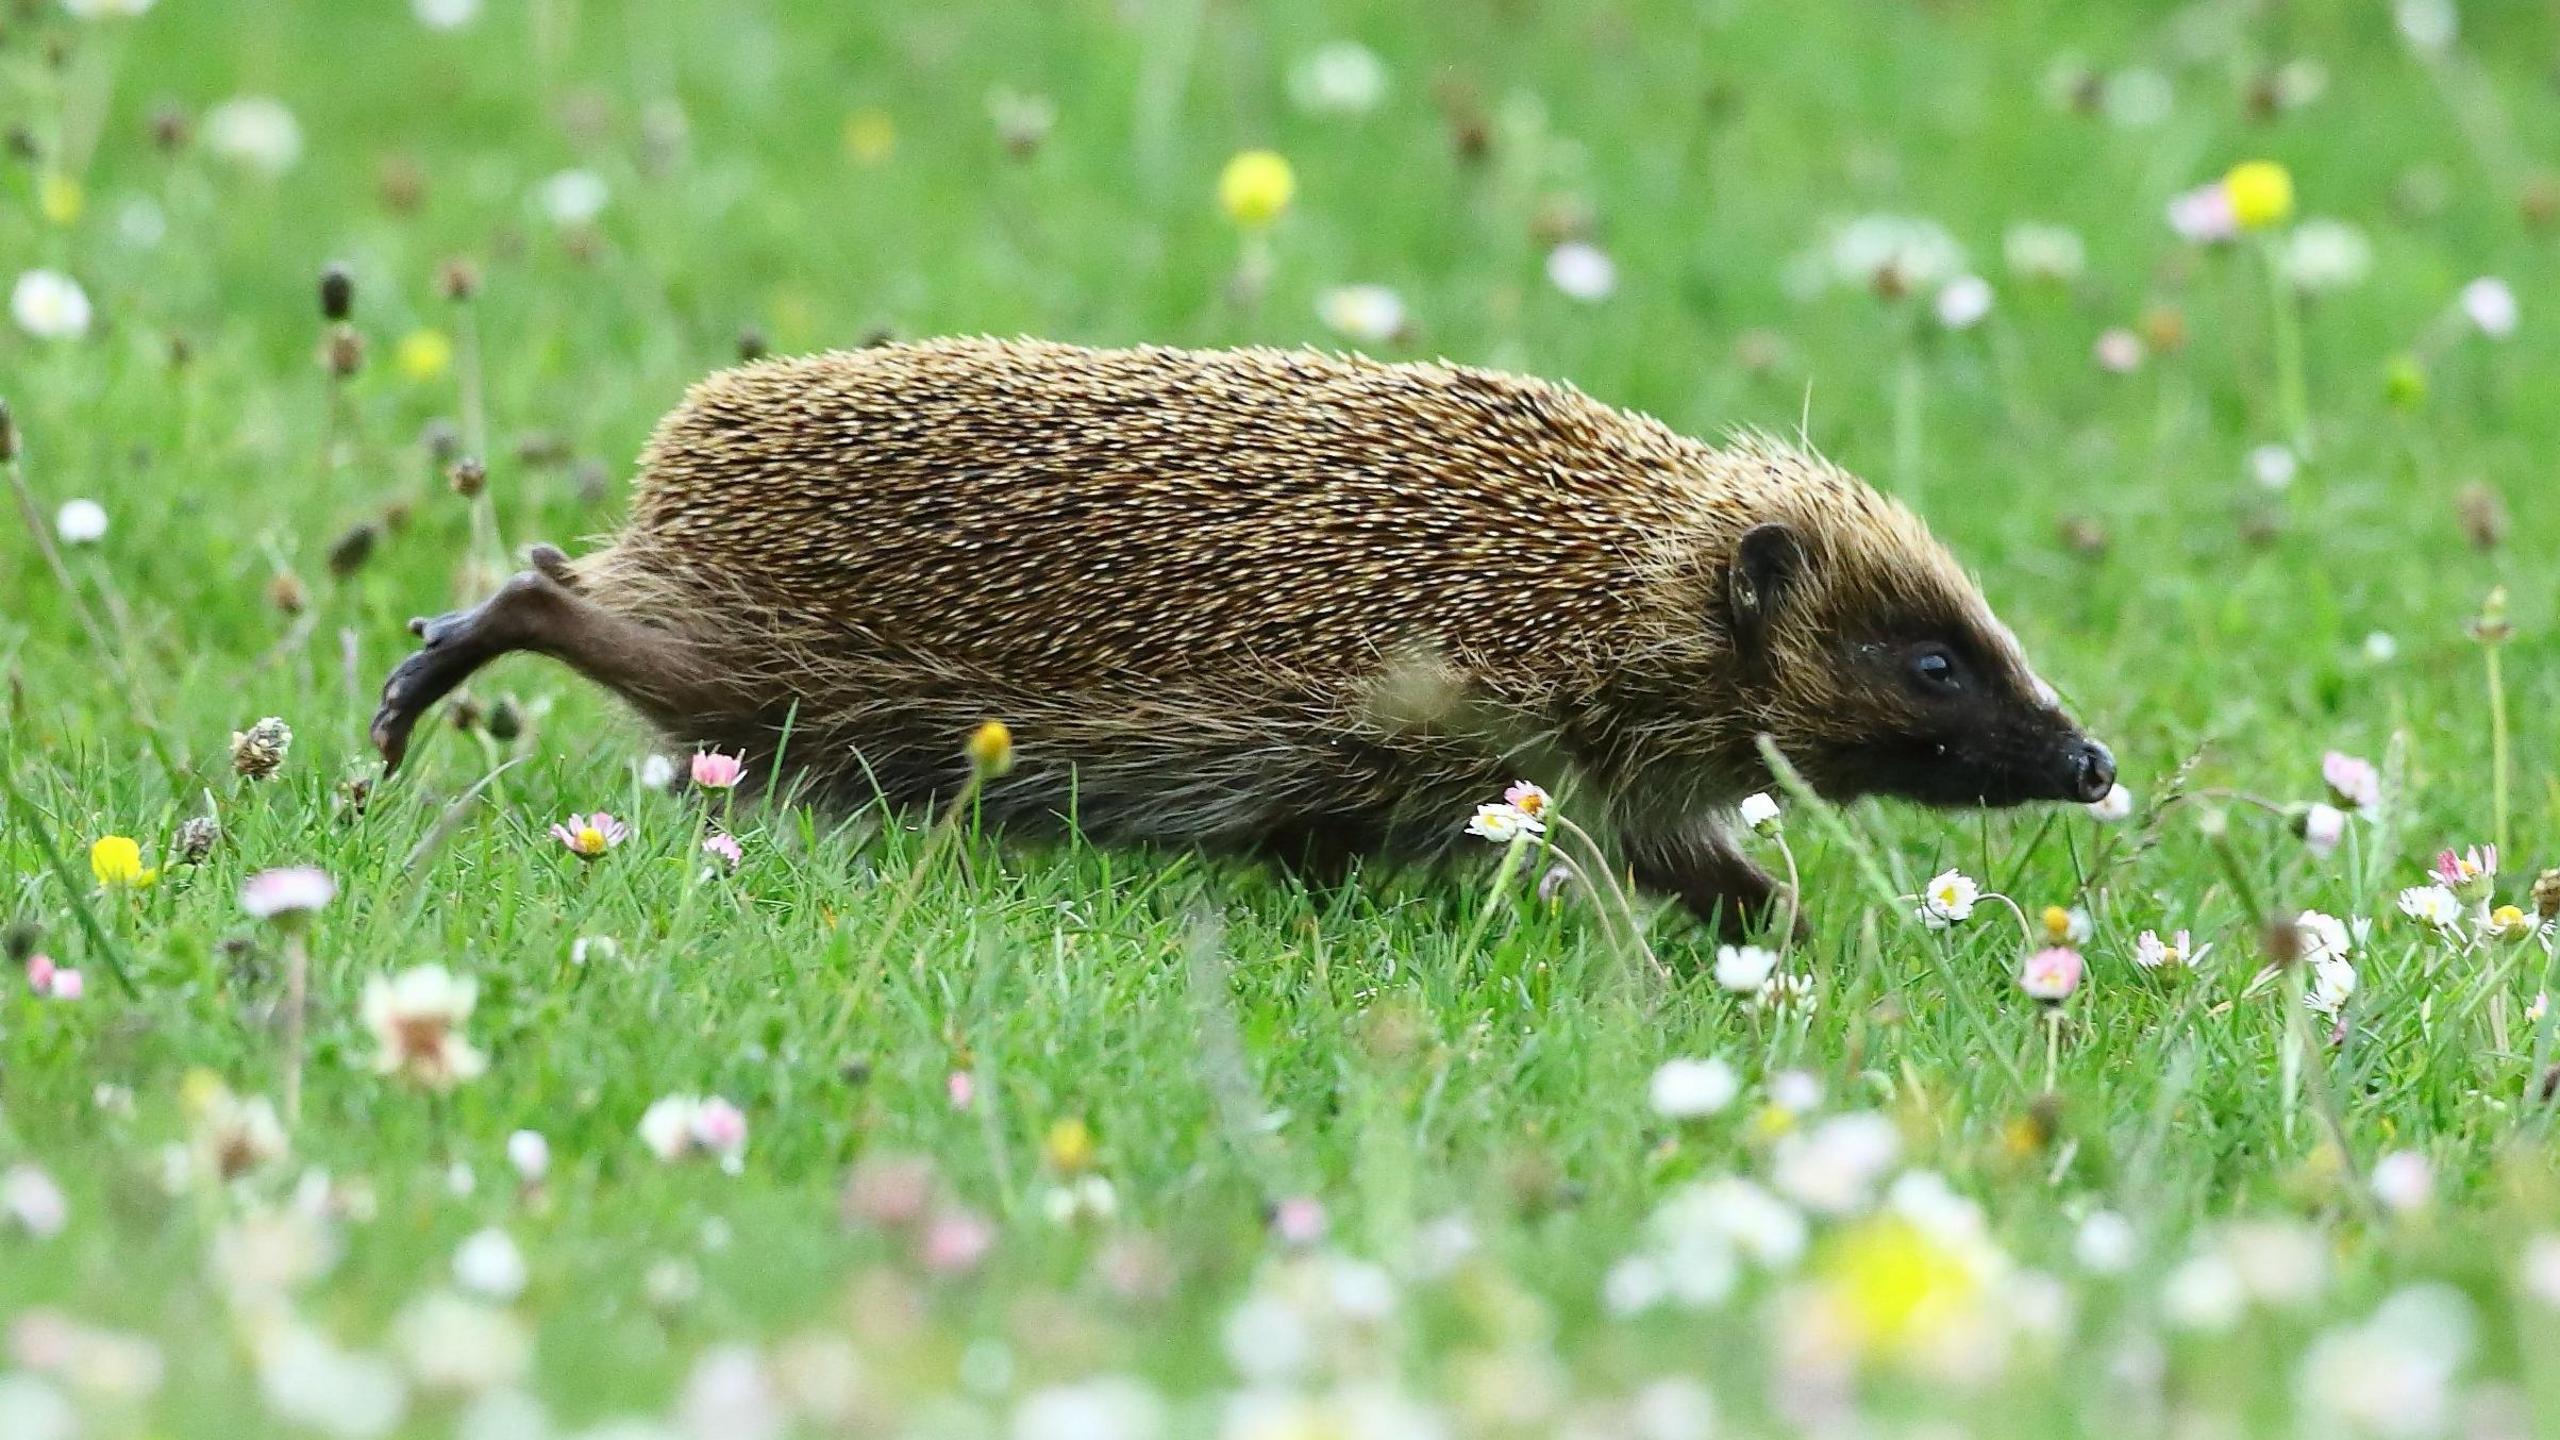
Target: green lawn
{"points": [[1057, 1141]]}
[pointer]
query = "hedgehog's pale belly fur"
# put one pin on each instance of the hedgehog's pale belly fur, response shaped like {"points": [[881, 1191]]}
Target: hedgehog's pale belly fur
{"points": [[1195, 583]]}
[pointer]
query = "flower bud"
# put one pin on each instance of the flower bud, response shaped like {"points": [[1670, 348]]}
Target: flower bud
{"points": [[990, 749], [196, 839], [348, 552], [468, 477], [257, 753], [337, 294]]}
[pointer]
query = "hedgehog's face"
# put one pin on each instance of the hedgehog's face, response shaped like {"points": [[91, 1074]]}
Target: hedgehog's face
{"points": [[1909, 689]]}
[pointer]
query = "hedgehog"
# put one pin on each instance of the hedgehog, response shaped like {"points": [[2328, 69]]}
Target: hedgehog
{"points": [[1281, 603]]}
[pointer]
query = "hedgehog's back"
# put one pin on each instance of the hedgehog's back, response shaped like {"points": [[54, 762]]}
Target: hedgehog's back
{"points": [[1053, 512]]}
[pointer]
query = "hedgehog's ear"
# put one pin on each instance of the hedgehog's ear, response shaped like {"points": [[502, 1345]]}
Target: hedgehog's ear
{"points": [[1765, 567]]}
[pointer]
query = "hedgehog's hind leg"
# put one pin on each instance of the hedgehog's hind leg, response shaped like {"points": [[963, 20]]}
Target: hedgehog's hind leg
{"points": [[666, 676], [1698, 864]]}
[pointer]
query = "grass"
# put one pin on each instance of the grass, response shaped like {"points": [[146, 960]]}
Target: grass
{"points": [[1232, 1042]]}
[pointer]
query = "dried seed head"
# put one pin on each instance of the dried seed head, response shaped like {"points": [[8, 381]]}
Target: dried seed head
{"points": [[751, 346], [2540, 204], [537, 449], [443, 441], [196, 839], [344, 354], [349, 552], [20, 940], [2484, 515], [401, 184], [257, 753], [2546, 895], [465, 711], [287, 593], [459, 280], [8, 435], [353, 794], [396, 515], [468, 476], [170, 128], [2084, 535], [2164, 329], [2282, 940], [506, 720], [337, 294]]}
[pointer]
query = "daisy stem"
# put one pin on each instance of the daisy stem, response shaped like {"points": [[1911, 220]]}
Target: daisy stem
{"points": [[1909, 404], [1502, 873], [297, 996], [2497, 748], [1624, 903], [1795, 896], [2293, 404], [2052, 1044], [2026, 931]]}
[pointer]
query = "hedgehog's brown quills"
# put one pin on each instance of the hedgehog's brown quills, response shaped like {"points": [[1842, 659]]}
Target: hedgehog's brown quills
{"points": [[1277, 601]]}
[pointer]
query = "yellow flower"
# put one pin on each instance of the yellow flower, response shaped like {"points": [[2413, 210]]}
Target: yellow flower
{"points": [[2508, 922], [1896, 1286], [60, 198], [869, 135], [1069, 1146], [991, 749], [2260, 192], [117, 862], [1255, 187], [424, 355]]}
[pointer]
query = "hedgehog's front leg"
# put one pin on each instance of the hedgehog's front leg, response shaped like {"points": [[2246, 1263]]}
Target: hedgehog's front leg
{"points": [[1697, 863], [664, 675]]}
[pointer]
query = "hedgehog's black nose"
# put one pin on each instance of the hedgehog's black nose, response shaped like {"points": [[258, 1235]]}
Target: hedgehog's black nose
{"points": [[2091, 770]]}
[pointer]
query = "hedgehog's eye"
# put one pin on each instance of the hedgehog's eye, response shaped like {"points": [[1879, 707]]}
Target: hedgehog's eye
{"points": [[1934, 669]]}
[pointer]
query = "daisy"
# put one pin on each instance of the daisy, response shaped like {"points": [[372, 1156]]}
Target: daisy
{"points": [[2432, 905], [715, 771], [416, 1018], [286, 894], [1948, 900], [80, 522], [2490, 305], [2355, 783], [1689, 1089], [1362, 314], [256, 132], [1964, 302], [50, 305], [1759, 812], [2052, 974], [1343, 78], [1503, 823], [2152, 953], [589, 836], [2323, 826], [2470, 874], [1743, 969], [1582, 271]]}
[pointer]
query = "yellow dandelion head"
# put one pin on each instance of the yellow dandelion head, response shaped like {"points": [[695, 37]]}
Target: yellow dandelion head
{"points": [[1256, 187], [2260, 192]]}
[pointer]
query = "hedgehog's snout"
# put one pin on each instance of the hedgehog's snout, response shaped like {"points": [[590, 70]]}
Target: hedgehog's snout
{"points": [[2088, 770]]}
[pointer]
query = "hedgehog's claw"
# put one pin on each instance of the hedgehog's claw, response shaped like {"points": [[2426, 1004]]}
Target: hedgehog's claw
{"points": [[451, 646]]}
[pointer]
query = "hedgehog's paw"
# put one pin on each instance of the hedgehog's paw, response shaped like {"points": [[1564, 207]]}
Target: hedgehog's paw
{"points": [[450, 647]]}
